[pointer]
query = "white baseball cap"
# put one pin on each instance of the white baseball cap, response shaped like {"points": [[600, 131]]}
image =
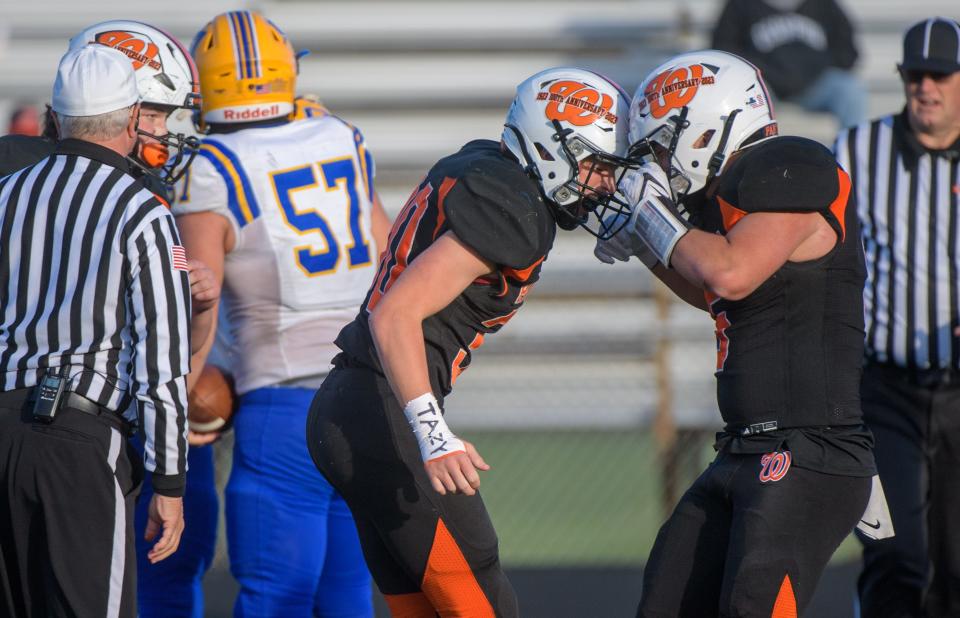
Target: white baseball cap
{"points": [[92, 80]]}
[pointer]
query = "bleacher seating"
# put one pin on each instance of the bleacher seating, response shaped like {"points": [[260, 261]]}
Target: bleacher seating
{"points": [[422, 77]]}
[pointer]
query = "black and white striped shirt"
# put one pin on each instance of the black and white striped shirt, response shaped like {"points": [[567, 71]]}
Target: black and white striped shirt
{"points": [[91, 277], [908, 199]]}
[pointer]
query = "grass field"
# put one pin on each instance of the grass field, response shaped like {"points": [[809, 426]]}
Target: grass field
{"points": [[580, 498]]}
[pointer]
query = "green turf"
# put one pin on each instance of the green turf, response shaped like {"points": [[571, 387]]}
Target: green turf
{"points": [[559, 498], [580, 498]]}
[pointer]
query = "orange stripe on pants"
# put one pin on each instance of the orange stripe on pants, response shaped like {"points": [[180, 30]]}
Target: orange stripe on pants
{"points": [[449, 583], [786, 604]]}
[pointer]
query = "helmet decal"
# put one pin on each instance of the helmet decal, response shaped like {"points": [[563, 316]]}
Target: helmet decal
{"points": [[567, 128], [577, 103], [167, 79], [674, 88], [141, 50], [245, 48], [694, 110]]}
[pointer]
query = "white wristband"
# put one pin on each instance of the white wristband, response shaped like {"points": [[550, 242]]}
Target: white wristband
{"points": [[660, 228], [433, 436], [654, 218]]}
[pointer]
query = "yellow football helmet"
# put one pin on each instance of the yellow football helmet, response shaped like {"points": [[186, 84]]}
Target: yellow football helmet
{"points": [[248, 69]]}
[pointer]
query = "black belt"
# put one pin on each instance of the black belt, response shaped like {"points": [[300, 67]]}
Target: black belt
{"points": [[76, 401], [23, 399]]}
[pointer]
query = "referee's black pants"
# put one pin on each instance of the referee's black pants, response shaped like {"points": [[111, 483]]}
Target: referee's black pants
{"points": [[67, 492], [916, 425]]}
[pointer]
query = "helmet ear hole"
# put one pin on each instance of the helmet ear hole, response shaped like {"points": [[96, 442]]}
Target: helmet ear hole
{"points": [[704, 140], [544, 153], [164, 79]]}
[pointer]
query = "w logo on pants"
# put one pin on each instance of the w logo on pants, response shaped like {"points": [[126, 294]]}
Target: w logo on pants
{"points": [[774, 466]]}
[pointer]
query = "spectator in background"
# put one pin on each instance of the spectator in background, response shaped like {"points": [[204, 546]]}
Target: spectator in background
{"points": [[25, 120], [19, 151], [803, 48], [905, 170]]}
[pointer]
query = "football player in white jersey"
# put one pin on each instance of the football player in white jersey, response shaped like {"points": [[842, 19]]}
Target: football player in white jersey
{"points": [[284, 212]]}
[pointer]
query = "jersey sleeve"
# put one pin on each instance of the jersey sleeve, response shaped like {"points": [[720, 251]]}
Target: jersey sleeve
{"points": [[500, 215], [790, 174], [209, 187]]}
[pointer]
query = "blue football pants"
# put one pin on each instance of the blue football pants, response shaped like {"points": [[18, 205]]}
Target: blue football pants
{"points": [[292, 540], [172, 588]]}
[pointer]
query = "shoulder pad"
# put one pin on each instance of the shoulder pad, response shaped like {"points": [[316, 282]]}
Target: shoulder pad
{"points": [[787, 174], [496, 210]]}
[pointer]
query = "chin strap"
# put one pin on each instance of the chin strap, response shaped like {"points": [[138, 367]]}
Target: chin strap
{"points": [[529, 167], [717, 159]]}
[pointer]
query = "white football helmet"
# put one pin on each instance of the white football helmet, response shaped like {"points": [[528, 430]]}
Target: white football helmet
{"points": [[167, 78], [558, 118], [695, 109]]}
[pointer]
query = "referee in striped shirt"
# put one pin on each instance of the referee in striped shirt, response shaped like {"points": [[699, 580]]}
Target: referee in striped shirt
{"points": [[905, 170], [94, 316]]}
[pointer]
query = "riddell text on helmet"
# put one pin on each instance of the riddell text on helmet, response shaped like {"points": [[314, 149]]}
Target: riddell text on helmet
{"points": [[252, 114]]}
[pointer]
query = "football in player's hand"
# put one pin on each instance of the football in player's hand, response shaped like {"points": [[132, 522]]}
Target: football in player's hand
{"points": [[212, 401]]}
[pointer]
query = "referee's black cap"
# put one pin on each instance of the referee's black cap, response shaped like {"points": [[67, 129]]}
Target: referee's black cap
{"points": [[932, 45]]}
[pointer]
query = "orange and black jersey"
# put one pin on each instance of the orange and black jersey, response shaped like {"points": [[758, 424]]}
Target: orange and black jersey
{"points": [[489, 202], [790, 352]]}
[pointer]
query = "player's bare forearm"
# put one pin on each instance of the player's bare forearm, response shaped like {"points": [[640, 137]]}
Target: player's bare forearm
{"points": [[202, 327], [208, 238], [685, 291], [380, 224], [201, 347], [399, 342], [431, 282]]}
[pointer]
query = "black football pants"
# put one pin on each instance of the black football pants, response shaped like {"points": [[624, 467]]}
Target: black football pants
{"points": [[67, 491], [917, 447], [736, 546], [429, 554]]}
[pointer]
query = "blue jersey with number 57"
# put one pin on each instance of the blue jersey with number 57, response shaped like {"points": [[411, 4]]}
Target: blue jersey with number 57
{"points": [[298, 196]]}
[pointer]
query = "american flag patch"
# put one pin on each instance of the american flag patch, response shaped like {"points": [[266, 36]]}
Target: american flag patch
{"points": [[179, 256], [756, 102]]}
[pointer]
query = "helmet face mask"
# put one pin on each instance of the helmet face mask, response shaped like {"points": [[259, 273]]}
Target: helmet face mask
{"points": [[566, 128], [167, 79], [659, 147], [693, 111], [152, 154]]}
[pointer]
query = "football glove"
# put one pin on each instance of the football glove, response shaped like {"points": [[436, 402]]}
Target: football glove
{"points": [[655, 218], [623, 244]]}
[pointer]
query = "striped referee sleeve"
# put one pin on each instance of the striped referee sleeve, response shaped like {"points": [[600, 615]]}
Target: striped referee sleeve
{"points": [[160, 314], [908, 200]]}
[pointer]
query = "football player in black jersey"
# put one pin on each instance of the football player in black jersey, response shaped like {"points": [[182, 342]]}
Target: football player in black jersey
{"points": [[460, 260], [760, 231]]}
